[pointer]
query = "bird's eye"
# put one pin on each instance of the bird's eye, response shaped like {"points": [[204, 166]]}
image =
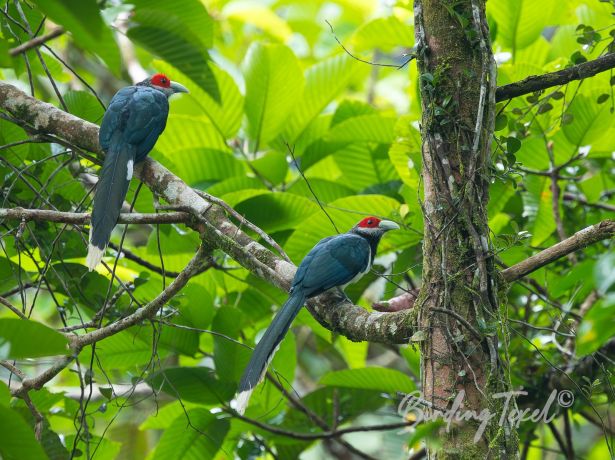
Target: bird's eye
{"points": [[370, 222], [163, 80]]}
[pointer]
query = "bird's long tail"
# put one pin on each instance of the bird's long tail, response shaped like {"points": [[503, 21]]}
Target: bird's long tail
{"points": [[266, 348], [111, 190]]}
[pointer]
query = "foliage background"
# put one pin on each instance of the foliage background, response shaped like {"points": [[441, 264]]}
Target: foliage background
{"points": [[262, 75]]}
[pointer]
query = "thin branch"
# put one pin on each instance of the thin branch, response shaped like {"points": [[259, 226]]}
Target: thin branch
{"points": [[583, 201], [324, 435], [11, 307], [561, 77], [84, 218], [601, 231], [37, 41]]}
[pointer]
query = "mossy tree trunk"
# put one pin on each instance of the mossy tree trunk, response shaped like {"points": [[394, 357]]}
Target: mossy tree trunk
{"points": [[458, 308]]}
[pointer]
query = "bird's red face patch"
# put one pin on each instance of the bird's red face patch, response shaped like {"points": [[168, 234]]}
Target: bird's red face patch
{"points": [[369, 222], [161, 80]]}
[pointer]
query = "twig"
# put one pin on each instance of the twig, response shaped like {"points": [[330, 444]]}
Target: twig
{"points": [[11, 307], [37, 41], [324, 435], [411, 56], [583, 201]]}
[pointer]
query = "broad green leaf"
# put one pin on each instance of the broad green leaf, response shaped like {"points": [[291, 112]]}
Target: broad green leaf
{"points": [[226, 114], [162, 417], [259, 16], [204, 166], [355, 353], [123, 350], [187, 132], [194, 435], [368, 128], [325, 190], [84, 105], [179, 32], [5, 394], [277, 211], [591, 121], [20, 338], [82, 19], [323, 82], [521, 22], [195, 384], [537, 206], [17, 441], [384, 34], [272, 167], [370, 378], [360, 168], [499, 194], [274, 83], [596, 327], [604, 272]]}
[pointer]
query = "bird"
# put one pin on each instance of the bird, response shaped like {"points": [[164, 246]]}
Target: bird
{"points": [[130, 127], [334, 262]]}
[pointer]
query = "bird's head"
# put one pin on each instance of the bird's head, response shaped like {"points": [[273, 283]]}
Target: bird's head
{"points": [[164, 84], [372, 226]]}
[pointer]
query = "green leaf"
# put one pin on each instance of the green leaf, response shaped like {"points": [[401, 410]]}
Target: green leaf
{"points": [[537, 206], [5, 394], [259, 16], [370, 378], [202, 166], [597, 327], [277, 211], [512, 144], [591, 121], [195, 384], [17, 441], [180, 32], [82, 19], [384, 34], [84, 105], [602, 98], [225, 114], [21, 339], [323, 82], [521, 22], [604, 272], [274, 83], [501, 122], [272, 166], [193, 435], [370, 128], [132, 347]]}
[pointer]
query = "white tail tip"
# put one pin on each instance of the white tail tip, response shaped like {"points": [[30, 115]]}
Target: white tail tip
{"points": [[241, 401], [94, 257]]}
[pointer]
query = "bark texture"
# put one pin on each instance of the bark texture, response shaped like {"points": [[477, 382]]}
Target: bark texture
{"points": [[459, 313]]}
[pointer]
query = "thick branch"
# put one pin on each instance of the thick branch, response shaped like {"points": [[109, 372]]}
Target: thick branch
{"points": [[83, 218], [561, 77], [330, 309], [598, 232]]}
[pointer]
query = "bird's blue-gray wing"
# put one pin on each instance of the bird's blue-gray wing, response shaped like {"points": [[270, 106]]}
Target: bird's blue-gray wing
{"points": [[334, 261]]}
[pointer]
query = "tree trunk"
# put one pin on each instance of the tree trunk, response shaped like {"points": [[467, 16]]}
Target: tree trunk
{"points": [[459, 314]]}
